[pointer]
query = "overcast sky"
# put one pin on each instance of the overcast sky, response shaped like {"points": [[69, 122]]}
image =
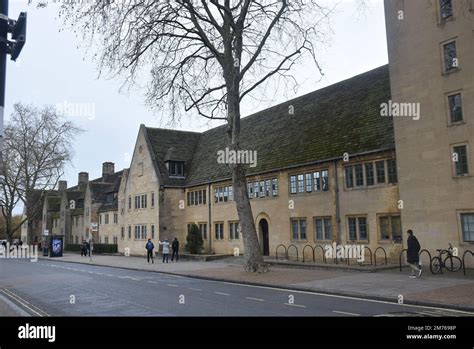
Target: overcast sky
{"points": [[52, 70]]}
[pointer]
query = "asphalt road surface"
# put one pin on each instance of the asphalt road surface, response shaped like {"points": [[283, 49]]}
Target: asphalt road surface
{"points": [[48, 288]]}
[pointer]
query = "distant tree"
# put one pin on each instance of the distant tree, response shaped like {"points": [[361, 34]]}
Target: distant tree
{"points": [[194, 240], [37, 146]]}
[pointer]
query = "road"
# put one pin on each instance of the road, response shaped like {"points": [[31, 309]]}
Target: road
{"points": [[48, 288]]}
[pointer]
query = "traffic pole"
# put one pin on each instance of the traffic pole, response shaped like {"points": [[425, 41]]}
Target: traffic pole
{"points": [[3, 68]]}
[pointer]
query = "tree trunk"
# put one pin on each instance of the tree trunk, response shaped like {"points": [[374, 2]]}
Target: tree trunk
{"points": [[253, 256]]}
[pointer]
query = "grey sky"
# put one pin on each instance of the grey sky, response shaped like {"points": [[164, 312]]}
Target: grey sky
{"points": [[52, 70]]}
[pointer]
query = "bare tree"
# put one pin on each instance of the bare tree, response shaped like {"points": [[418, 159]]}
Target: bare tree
{"points": [[205, 56], [37, 146]]}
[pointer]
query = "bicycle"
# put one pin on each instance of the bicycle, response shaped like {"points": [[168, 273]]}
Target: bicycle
{"points": [[451, 262]]}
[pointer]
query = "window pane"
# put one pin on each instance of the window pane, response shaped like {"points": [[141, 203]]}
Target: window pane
{"points": [[300, 183], [293, 184], [446, 8], [231, 193], [268, 186], [352, 229], [362, 228], [384, 228], [275, 187], [309, 183], [325, 179], [294, 229], [380, 168], [255, 189], [369, 173], [262, 189], [327, 228], [319, 229], [455, 107], [349, 177], [317, 181], [461, 163], [392, 171], [396, 228], [450, 61], [226, 194], [359, 175], [467, 222], [303, 229], [250, 189]]}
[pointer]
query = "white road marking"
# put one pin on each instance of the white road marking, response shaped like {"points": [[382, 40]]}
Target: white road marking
{"points": [[342, 297], [345, 313], [171, 285], [256, 299], [222, 293], [24, 302], [108, 275], [296, 305], [195, 289], [152, 282]]}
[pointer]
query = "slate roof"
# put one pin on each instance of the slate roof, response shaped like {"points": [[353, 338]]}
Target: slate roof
{"points": [[172, 145], [344, 117]]}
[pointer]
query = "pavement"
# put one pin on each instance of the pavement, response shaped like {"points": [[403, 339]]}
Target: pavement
{"points": [[450, 290], [51, 287]]}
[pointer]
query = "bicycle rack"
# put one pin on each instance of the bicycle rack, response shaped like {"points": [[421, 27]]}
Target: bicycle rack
{"points": [[375, 255], [370, 254], [322, 249], [311, 247], [463, 263], [276, 251], [400, 258], [288, 250]]}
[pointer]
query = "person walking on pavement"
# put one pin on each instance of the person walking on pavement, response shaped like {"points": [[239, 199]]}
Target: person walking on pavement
{"points": [[149, 251], [175, 248], [84, 249], [166, 249], [413, 256], [88, 248]]}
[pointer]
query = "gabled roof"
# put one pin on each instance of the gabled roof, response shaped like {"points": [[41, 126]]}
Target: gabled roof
{"points": [[171, 145], [341, 118]]}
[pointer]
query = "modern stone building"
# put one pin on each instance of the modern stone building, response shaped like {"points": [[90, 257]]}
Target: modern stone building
{"points": [[431, 55]]}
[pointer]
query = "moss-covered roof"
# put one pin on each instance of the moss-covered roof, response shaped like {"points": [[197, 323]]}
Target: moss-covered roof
{"points": [[325, 124]]}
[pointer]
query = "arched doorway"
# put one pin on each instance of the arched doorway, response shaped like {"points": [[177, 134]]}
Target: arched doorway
{"points": [[263, 233]]}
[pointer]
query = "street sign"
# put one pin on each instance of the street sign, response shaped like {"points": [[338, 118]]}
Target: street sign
{"points": [[94, 226], [46, 232]]}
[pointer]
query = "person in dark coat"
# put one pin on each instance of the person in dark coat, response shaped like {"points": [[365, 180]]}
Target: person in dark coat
{"points": [[175, 248], [413, 256], [84, 249], [149, 251]]}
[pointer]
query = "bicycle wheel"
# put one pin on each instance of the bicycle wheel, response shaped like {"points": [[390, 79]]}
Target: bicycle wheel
{"points": [[435, 265], [452, 263]]}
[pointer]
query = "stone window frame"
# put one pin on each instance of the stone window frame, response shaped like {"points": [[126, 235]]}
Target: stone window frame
{"points": [[448, 108], [444, 67], [374, 177], [322, 218], [236, 225], [459, 213], [300, 182], [203, 224], [299, 220], [222, 235], [453, 163], [357, 217], [390, 227]]}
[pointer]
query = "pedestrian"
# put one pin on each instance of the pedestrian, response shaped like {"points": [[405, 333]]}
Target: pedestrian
{"points": [[166, 249], [413, 254], [88, 248], [149, 251], [84, 249], [175, 248]]}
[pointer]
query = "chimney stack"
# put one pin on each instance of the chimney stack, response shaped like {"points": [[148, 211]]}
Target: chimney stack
{"points": [[62, 185], [108, 168], [83, 178]]}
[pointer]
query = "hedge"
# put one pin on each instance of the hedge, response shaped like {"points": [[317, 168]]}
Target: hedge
{"points": [[98, 248]]}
